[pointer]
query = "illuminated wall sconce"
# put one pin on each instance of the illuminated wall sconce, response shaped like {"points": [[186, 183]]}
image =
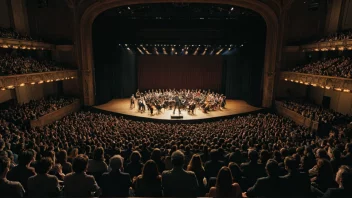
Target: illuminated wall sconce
{"points": [[314, 85], [322, 87], [341, 48], [22, 84], [15, 46], [285, 79], [349, 48], [57, 79], [327, 87], [346, 90], [333, 49], [11, 87], [3, 89], [306, 83], [32, 83], [23, 47], [48, 81], [296, 81], [51, 80], [316, 49], [72, 77], [301, 82], [41, 82], [5, 46], [337, 89]]}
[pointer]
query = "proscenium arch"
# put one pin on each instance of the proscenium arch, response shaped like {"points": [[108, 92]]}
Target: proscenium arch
{"points": [[86, 44]]}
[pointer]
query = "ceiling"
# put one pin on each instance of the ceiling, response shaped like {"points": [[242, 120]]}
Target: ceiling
{"points": [[180, 23]]}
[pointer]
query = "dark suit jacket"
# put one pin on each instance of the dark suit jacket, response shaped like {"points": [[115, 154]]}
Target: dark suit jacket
{"points": [[252, 171], [79, 185], [297, 184], [179, 183], [338, 193], [115, 184], [267, 187], [212, 168]]}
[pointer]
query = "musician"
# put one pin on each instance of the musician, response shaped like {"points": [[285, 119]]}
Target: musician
{"points": [[141, 106], [138, 94], [177, 104], [132, 102], [191, 107]]}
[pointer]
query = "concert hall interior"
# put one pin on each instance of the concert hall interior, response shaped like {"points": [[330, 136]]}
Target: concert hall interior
{"points": [[181, 98]]}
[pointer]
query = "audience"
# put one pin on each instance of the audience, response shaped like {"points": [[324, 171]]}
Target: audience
{"points": [[11, 33], [336, 36], [316, 112], [252, 140], [23, 113], [12, 65], [336, 67]]}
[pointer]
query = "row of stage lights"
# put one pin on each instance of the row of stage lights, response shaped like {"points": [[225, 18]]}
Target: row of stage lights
{"points": [[321, 86], [184, 50], [24, 47], [324, 49], [33, 83]]}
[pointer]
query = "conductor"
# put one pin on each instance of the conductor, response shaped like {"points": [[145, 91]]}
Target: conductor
{"points": [[177, 104]]}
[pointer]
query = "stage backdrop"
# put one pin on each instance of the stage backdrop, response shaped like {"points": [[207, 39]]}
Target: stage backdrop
{"points": [[179, 72]]}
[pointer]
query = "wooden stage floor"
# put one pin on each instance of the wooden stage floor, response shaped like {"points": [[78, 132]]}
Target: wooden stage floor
{"points": [[233, 107]]}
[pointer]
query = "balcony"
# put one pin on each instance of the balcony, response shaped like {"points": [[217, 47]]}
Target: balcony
{"points": [[25, 44], [325, 82], [10, 82]]}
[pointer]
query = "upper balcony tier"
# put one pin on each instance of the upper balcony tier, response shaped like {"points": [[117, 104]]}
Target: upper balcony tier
{"points": [[326, 82], [10, 82], [25, 44], [345, 44]]}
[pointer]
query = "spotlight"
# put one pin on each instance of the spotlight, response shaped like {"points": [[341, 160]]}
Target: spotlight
{"points": [[231, 8]]}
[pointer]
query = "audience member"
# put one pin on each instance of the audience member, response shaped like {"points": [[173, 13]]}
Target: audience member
{"points": [[8, 188], [148, 184], [115, 183], [224, 185], [43, 184], [178, 182], [78, 183]]}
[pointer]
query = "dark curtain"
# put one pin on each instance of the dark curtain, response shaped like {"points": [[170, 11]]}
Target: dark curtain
{"points": [[179, 72], [243, 77], [115, 75]]}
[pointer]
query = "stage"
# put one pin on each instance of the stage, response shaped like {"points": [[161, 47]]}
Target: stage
{"points": [[122, 107]]}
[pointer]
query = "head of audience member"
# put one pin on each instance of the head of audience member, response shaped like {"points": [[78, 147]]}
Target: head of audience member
{"points": [[224, 182], [195, 164], [25, 158], [150, 170], [253, 156], [135, 157], [214, 155], [44, 165], [349, 148], [61, 156], [272, 168], [235, 170], [98, 154], [291, 164], [4, 167], [156, 155], [116, 163], [344, 177], [177, 159], [80, 163]]}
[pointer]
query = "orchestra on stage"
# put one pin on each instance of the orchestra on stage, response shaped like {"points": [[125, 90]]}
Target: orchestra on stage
{"points": [[184, 99]]}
